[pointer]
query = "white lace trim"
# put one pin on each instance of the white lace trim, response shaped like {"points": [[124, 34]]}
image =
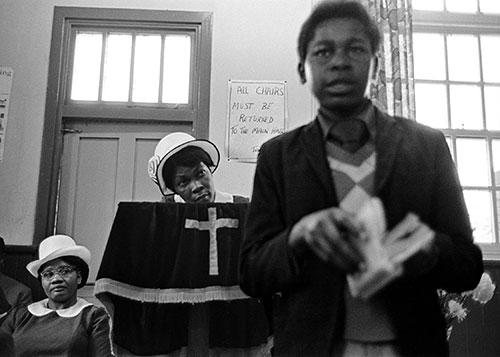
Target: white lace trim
{"points": [[166, 296]]}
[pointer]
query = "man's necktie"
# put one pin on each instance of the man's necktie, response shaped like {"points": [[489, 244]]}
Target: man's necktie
{"points": [[349, 134]]}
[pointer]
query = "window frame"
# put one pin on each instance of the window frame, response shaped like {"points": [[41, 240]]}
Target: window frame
{"points": [[185, 22], [128, 110], [444, 22], [57, 108]]}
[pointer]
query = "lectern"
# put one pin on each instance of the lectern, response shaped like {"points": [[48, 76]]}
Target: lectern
{"points": [[169, 279]]}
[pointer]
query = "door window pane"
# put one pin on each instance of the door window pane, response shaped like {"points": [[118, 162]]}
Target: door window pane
{"points": [[177, 64], [490, 53], [116, 79], [480, 213], [86, 66], [463, 58], [472, 160], [466, 108], [491, 100], [146, 68], [429, 67], [461, 5], [431, 107], [143, 56]]}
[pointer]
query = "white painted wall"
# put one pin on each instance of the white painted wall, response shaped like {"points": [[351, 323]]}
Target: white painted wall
{"points": [[252, 40]]}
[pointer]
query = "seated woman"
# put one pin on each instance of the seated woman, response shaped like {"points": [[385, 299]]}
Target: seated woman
{"points": [[182, 167], [62, 324]]}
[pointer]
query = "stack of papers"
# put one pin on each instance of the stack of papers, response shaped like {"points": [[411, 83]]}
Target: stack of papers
{"points": [[385, 252]]}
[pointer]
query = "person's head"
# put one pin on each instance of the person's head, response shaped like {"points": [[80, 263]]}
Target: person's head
{"points": [[188, 174], [62, 268], [184, 165], [337, 46]]}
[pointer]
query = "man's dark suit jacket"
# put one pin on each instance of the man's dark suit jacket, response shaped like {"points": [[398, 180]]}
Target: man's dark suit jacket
{"points": [[16, 293], [414, 173]]}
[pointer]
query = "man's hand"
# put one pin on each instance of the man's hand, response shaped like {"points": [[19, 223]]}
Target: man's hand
{"points": [[330, 235]]}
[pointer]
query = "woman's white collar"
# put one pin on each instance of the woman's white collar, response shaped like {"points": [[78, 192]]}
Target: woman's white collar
{"points": [[40, 308]]}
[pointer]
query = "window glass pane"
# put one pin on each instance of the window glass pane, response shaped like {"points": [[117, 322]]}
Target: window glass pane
{"points": [[498, 213], [116, 77], [480, 213], [461, 5], [490, 53], [146, 68], [496, 162], [429, 67], [472, 162], [450, 145], [466, 109], [86, 66], [387, 59], [431, 105], [463, 57], [176, 69], [491, 98], [489, 6], [436, 5]]}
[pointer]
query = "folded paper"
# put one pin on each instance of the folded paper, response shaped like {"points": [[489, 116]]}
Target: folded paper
{"points": [[384, 252]]}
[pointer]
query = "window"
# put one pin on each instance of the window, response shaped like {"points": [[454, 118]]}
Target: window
{"points": [[137, 64], [131, 67], [457, 89]]}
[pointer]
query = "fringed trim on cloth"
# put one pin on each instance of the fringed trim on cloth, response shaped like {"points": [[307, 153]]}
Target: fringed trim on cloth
{"points": [[213, 352], [169, 296], [181, 352]]}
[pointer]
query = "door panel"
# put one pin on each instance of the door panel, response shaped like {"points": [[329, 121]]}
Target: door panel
{"points": [[103, 164], [143, 189]]}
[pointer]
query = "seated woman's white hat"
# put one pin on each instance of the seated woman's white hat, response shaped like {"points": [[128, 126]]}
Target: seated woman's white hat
{"points": [[57, 246], [171, 144]]}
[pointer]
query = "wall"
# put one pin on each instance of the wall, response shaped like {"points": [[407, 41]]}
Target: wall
{"points": [[251, 40]]}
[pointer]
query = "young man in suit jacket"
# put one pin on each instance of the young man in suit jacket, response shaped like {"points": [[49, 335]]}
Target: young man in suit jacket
{"points": [[301, 231]]}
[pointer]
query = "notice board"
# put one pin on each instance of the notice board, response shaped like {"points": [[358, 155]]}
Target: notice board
{"points": [[257, 111]]}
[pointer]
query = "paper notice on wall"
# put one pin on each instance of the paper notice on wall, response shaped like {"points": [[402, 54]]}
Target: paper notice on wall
{"points": [[257, 111], [6, 75]]}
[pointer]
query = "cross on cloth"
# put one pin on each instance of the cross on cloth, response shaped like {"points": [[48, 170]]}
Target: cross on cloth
{"points": [[212, 225]]}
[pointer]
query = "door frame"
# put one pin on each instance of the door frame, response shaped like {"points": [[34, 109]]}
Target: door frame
{"points": [[52, 136]]}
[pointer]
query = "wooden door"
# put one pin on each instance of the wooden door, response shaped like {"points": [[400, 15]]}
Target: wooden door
{"points": [[104, 163]]}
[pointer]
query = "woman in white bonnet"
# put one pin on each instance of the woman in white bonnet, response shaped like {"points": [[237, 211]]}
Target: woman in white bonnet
{"points": [[182, 167], [62, 324]]}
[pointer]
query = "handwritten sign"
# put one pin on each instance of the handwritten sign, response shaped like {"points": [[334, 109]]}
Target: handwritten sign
{"points": [[256, 113]]}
